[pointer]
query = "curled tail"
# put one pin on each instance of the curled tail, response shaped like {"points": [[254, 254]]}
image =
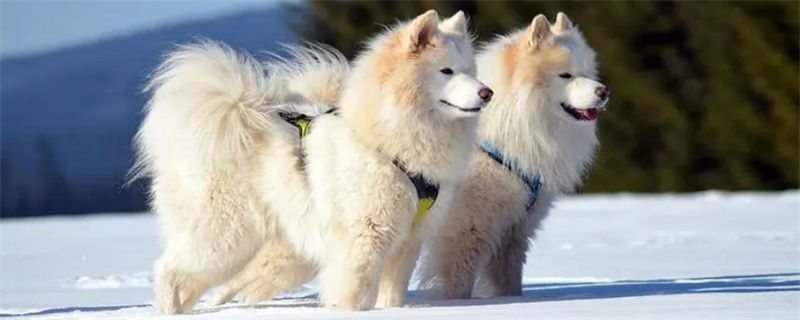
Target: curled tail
{"points": [[212, 104], [212, 110], [208, 106], [312, 74]]}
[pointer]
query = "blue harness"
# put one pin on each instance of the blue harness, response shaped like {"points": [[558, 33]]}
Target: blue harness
{"points": [[532, 181]]}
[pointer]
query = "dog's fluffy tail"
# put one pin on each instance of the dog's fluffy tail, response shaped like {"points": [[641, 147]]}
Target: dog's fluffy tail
{"points": [[312, 74], [208, 105], [213, 111], [212, 104]]}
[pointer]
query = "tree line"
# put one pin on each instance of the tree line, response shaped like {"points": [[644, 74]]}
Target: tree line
{"points": [[705, 93]]}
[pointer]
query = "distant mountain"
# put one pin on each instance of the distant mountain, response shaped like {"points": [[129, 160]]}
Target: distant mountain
{"points": [[68, 117]]}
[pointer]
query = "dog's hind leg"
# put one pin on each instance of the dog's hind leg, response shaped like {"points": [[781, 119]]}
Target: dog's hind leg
{"points": [[191, 291], [230, 290], [286, 276], [166, 288], [275, 268], [205, 249], [180, 281], [177, 288]]}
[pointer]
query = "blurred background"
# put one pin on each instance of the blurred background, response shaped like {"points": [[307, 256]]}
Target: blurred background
{"points": [[705, 93]]}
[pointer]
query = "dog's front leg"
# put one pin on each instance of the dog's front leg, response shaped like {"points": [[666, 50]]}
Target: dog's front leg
{"points": [[397, 273], [356, 255], [504, 268]]}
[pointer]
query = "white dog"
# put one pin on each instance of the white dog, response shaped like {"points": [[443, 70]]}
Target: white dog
{"points": [[537, 139], [230, 174]]}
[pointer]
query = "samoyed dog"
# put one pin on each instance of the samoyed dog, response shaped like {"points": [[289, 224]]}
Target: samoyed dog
{"points": [[536, 142], [537, 139], [231, 174]]}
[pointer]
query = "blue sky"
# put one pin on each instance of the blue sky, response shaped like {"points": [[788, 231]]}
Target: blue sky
{"points": [[31, 26]]}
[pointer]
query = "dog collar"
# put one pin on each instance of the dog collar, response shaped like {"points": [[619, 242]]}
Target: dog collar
{"points": [[426, 192], [532, 181]]}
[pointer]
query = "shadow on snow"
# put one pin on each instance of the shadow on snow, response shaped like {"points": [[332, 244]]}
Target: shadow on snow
{"points": [[538, 292], [636, 288]]}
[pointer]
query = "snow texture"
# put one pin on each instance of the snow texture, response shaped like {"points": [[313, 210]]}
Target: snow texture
{"points": [[623, 256]]}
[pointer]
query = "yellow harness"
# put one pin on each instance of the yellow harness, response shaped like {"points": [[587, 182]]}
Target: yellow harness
{"points": [[426, 192]]}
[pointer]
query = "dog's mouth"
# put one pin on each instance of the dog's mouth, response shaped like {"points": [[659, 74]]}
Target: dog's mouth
{"points": [[588, 114], [467, 110]]}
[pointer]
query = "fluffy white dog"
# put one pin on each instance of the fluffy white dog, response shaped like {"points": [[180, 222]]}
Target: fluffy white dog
{"points": [[537, 139], [230, 174]]}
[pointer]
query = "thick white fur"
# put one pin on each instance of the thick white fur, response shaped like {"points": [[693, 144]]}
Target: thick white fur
{"points": [[485, 241], [228, 176], [202, 143], [459, 89]]}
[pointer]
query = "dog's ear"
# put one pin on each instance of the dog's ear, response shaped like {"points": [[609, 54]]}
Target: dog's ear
{"points": [[538, 32], [457, 23], [562, 24], [421, 30]]}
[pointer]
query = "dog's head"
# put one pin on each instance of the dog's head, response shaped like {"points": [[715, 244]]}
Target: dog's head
{"points": [[429, 65], [556, 60]]}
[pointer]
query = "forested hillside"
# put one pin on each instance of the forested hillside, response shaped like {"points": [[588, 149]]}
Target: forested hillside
{"points": [[705, 94]]}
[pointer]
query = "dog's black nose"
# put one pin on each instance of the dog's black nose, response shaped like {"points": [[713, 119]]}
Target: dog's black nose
{"points": [[602, 92], [486, 94]]}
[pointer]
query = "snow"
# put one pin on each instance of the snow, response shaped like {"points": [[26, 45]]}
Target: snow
{"points": [[662, 256]]}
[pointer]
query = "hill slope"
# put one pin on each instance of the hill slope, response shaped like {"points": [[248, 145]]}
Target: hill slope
{"points": [[68, 116]]}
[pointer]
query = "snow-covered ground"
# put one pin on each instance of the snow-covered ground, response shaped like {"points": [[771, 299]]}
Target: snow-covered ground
{"points": [[707, 255]]}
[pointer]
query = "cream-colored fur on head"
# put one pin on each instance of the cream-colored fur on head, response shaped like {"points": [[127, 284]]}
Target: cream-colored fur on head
{"points": [[526, 120], [407, 100], [534, 71], [228, 175]]}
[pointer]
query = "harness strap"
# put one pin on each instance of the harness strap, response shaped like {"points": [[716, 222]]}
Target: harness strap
{"points": [[302, 121], [426, 191], [532, 181]]}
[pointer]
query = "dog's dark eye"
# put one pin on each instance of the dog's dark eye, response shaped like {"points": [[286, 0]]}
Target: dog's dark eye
{"points": [[446, 71], [565, 75]]}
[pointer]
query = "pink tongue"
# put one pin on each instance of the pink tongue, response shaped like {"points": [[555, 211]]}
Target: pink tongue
{"points": [[591, 114]]}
